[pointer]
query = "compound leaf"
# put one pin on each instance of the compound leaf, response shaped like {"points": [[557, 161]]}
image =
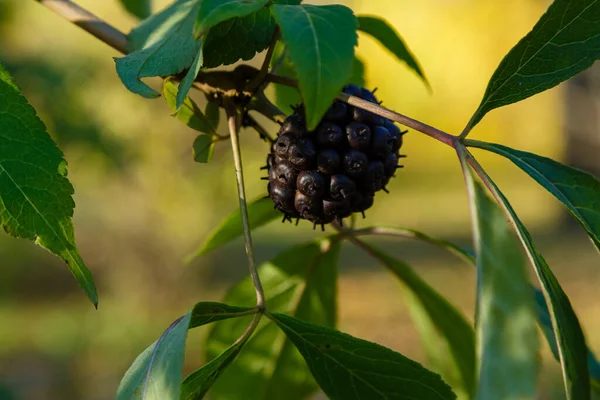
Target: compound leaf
{"points": [[213, 12], [35, 194], [570, 340], [576, 189], [300, 281], [507, 341], [564, 42], [139, 8], [240, 37], [391, 40], [161, 45], [437, 317], [260, 212], [320, 41], [350, 368], [157, 372]]}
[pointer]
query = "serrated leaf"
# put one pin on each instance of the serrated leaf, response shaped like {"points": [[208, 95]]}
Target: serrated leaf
{"points": [[320, 41], [240, 38], [213, 12], [203, 147], [286, 96], [569, 335], [564, 42], [576, 189], [157, 372], [35, 194], [437, 315], [161, 45], [507, 341], [260, 212], [139, 8], [350, 368], [188, 113], [391, 40], [300, 281]]}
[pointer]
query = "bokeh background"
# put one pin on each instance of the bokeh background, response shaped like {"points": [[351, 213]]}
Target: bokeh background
{"points": [[143, 204]]}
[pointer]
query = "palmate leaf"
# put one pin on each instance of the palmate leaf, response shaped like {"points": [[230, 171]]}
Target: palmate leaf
{"points": [[390, 39], [260, 212], [156, 373], [570, 340], [350, 368], [300, 281], [435, 315], [320, 41], [35, 194], [507, 341], [140, 8], [564, 42], [576, 189]]}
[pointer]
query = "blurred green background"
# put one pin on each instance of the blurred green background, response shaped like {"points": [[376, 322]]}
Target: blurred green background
{"points": [[143, 204]]}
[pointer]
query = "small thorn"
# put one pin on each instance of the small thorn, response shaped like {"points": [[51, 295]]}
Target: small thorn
{"points": [[266, 197], [340, 221], [314, 226], [322, 227], [404, 132], [402, 156], [363, 214], [265, 167], [380, 102], [399, 166], [284, 218], [385, 190], [297, 220], [264, 178], [274, 206], [374, 90]]}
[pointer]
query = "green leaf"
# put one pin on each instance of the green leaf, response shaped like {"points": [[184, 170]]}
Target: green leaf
{"points": [[35, 194], [240, 38], [437, 315], [260, 211], [161, 45], [391, 40], [213, 12], [320, 41], [569, 336], [213, 114], [188, 79], [300, 281], [576, 189], [139, 8], [157, 372], [203, 147], [564, 42], [505, 321], [188, 113], [358, 73], [350, 368]]}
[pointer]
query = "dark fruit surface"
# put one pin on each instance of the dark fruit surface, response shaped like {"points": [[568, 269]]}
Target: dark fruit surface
{"points": [[329, 173]]}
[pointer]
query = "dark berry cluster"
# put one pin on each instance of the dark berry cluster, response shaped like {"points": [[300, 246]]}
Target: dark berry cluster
{"points": [[335, 170]]}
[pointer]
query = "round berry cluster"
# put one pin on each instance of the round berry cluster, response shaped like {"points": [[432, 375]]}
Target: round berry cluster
{"points": [[335, 170]]}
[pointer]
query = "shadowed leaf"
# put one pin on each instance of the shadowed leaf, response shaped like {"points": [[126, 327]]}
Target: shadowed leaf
{"points": [[139, 8], [213, 12]]}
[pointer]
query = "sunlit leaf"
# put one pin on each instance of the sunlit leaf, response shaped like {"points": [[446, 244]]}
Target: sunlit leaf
{"points": [[188, 113], [203, 147], [576, 189], [564, 42], [391, 40], [433, 311], [35, 194], [300, 281], [320, 41], [350, 368]]}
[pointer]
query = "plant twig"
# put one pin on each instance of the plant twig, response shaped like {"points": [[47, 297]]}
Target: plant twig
{"points": [[88, 22], [232, 121], [258, 80]]}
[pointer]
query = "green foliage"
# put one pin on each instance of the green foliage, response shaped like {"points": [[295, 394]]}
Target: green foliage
{"points": [[576, 189], [569, 336], [441, 323], [390, 39], [213, 12], [139, 8], [507, 341], [35, 194], [350, 368], [260, 211], [320, 41], [203, 148], [300, 281], [564, 42], [188, 113]]}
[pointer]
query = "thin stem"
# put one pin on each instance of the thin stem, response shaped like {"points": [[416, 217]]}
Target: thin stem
{"points": [[258, 80], [232, 120], [251, 328], [88, 22]]}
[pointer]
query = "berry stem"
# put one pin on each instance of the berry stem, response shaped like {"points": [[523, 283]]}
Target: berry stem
{"points": [[232, 121]]}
